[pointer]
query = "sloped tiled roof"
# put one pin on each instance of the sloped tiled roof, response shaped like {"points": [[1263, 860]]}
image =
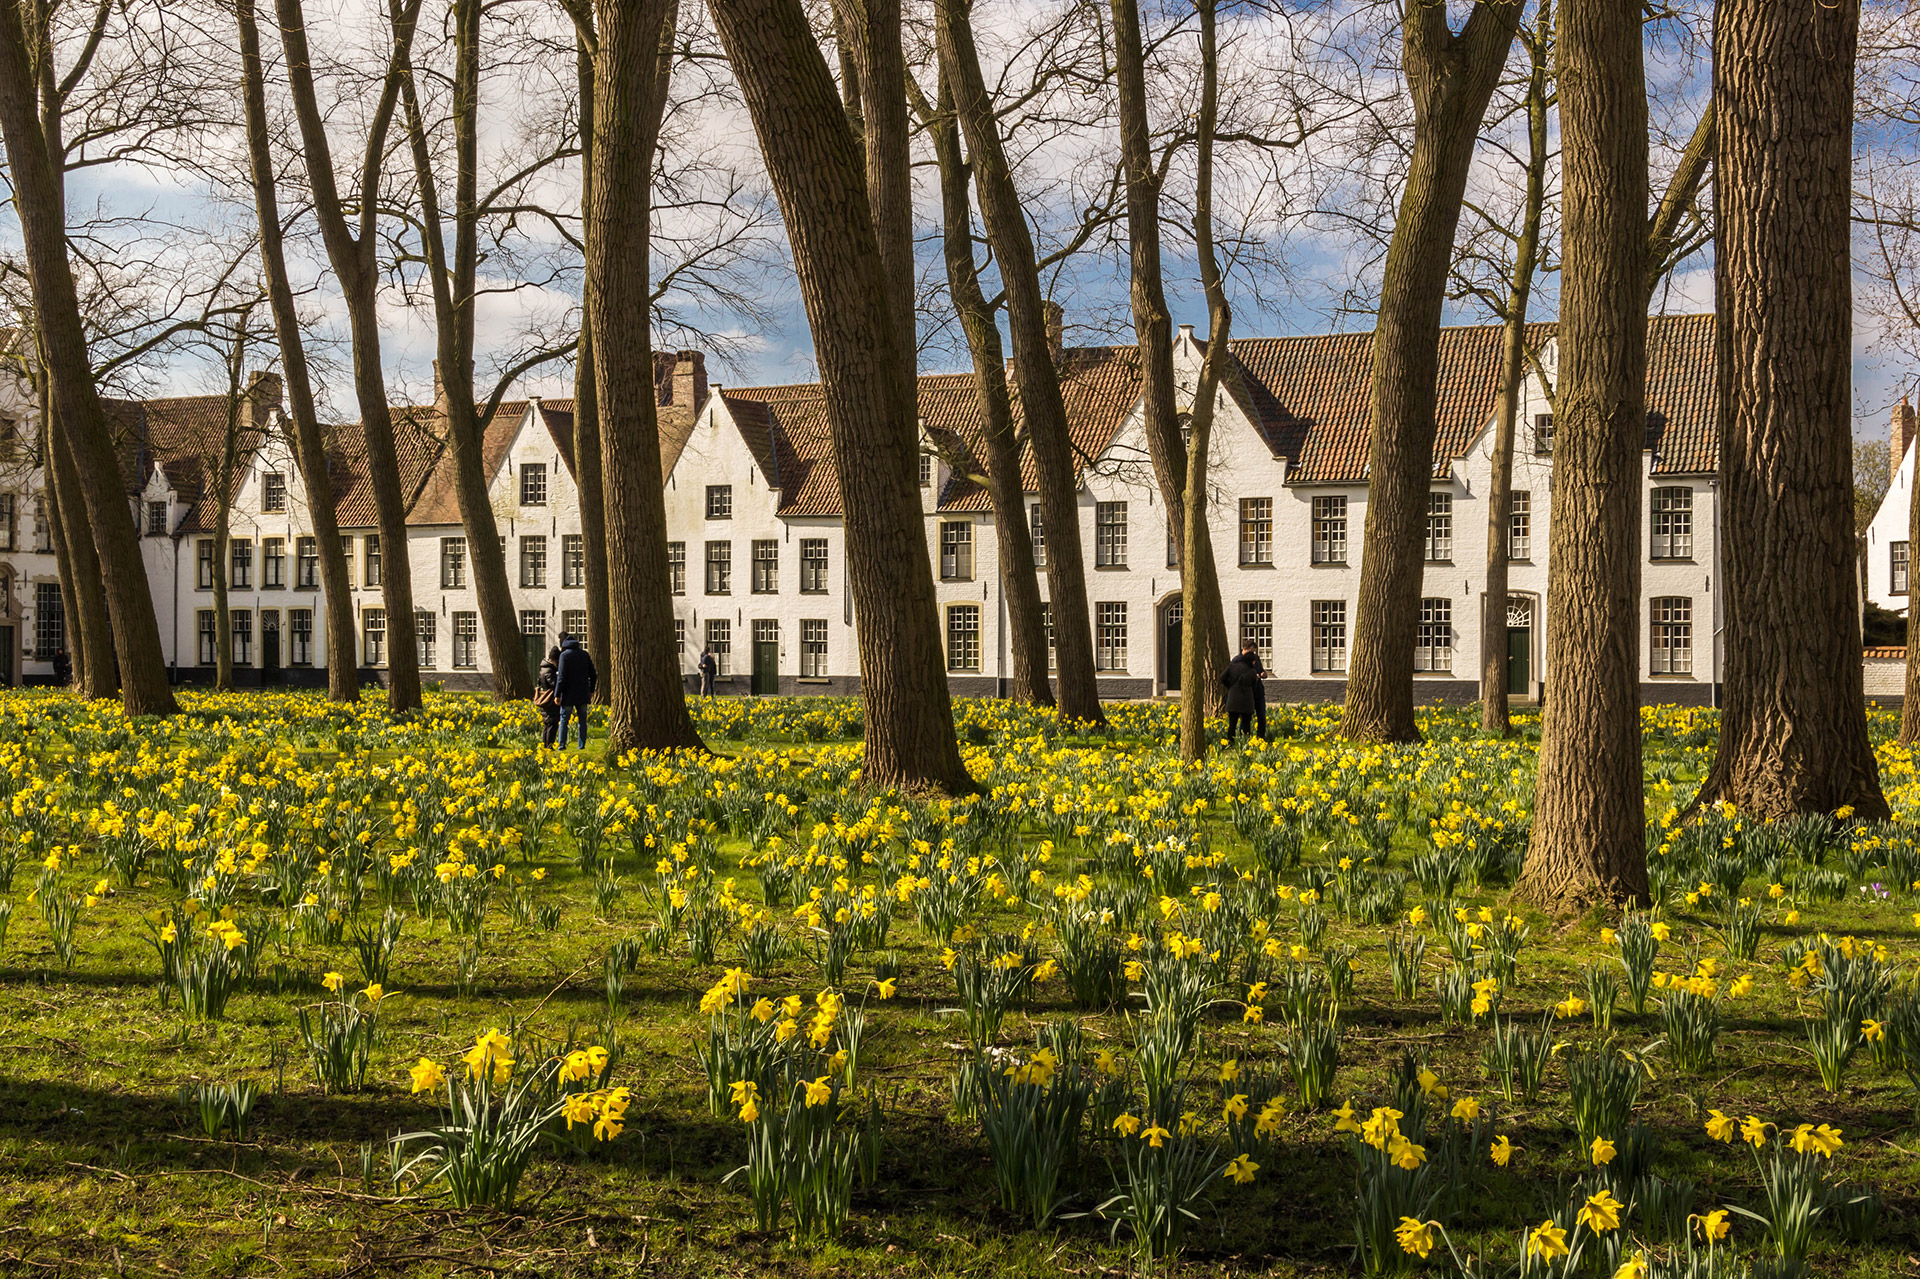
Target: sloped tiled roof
{"points": [[785, 429], [1685, 436], [417, 446], [439, 503]]}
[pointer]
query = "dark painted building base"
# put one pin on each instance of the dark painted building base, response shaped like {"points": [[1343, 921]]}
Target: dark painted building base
{"points": [[316, 677]]}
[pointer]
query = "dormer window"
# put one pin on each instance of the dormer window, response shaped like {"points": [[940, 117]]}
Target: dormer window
{"points": [[719, 501], [533, 484], [926, 469], [273, 492], [156, 519]]}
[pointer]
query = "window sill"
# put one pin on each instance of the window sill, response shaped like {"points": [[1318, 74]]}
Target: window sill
{"points": [[948, 581], [1670, 559], [1110, 568], [1438, 563], [814, 592], [1256, 564], [812, 679], [1675, 676], [1330, 564]]}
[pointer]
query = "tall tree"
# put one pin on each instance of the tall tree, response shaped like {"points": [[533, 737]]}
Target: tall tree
{"points": [[587, 479], [866, 368], [1793, 734], [1153, 331], [1450, 76], [1194, 585], [1006, 489], [39, 202], [1036, 375], [233, 442], [309, 443], [869, 40], [1589, 823], [632, 58], [83, 594], [352, 255]]}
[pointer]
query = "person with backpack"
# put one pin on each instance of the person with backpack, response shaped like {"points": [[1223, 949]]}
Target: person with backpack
{"points": [[573, 683], [1241, 679], [546, 698]]}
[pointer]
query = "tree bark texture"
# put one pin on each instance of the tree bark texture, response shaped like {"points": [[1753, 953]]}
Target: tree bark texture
{"points": [[309, 444], [586, 418], [1450, 78], [1793, 733], [631, 63], [866, 373], [1019, 578], [352, 257], [225, 469], [83, 590], [872, 31], [1153, 335], [39, 203], [1035, 373], [1589, 821]]}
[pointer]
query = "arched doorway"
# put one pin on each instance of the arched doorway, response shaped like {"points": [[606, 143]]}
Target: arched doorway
{"points": [[1170, 630]]}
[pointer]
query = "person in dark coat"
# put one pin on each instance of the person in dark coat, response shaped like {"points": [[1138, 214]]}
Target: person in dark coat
{"points": [[708, 669], [1260, 688], [547, 697], [574, 682], [62, 668], [1242, 682]]}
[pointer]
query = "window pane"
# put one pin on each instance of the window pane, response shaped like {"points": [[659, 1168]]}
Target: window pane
{"points": [[1110, 637], [1256, 628], [963, 637], [1256, 530]]}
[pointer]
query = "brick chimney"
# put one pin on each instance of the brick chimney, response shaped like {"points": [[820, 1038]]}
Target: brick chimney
{"points": [[262, 399], [1899, 436], [690, 381], [1056, 326]]}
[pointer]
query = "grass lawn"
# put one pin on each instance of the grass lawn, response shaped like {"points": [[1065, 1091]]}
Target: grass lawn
{"points": [[574, 902]]}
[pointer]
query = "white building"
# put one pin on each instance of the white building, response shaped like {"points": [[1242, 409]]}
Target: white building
{"points": [[753, 513]]}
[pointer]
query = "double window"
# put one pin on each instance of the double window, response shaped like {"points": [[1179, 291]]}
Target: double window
{"points": [[1520, 526], [1256, 628], [1256, 531], [1433, 645], [1329, 635], [1900, 565], [533, 562], [373, 633], [453, 563], [1110, 636], [956, 551], [720, 644], [240, 623], [719, 568], [306, 563], [273, 491], [963, 637], [1671, 649], [1330, 531], [300, 636], [813, 649], [466, 640], [1110, 535], [573, 560], [813, 566], [205, 628], [426, 630], [1439, 528], [1672, 524], [766, 567], [533, 484]]}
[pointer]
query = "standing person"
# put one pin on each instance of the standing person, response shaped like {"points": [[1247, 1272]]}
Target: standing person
{"points": [[62, 668], [708, 669], [1260, 691], [1242, 683], [547, 697], [574, 682]]}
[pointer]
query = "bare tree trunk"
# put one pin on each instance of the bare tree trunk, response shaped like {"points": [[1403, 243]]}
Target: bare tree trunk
{"points": [[871, 32], [38, 202], [631, 64], [1194, 584], [1910, 702], [1451, 78], [586, 416], [1589, 819], [1793, 734], [1019, 579], [63, 566], [1513, 371], [866, 368], [452, 285], [352, 258], [309, 444], [1034, 370], [83, 591], [224, 471], [1153, 333]]}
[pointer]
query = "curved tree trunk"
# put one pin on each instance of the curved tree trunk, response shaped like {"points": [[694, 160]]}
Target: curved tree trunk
{"points": [[83, 592], [1035, 373], [1153, 334], [39, 204], [1793, 734], [586, 418], [1451, 78], [631, 64], [309, 444], [1589, 820], [866, 371], [1019, 579]]}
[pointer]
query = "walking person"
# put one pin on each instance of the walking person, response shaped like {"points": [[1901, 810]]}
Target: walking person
{"points": [[1241, 679], [546, 696], [573, 684], [708, 669]]}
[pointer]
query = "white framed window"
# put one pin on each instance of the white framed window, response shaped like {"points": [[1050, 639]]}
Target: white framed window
{"points": [[1520, 526], [963, 637], [766, 566], [720, 644], [203, 564], [1256, 531], [1039, 532], [1543, 433], [1256, 628], [956, 551], [1110, 636], [813, 566], [533, 484], [1439, 549], [240, 557], [374, 562], [1110, 534], [273, 563], [1898, 563], [306, 563], [1671, 650], [300, 636], [1329, 635], [1046, 624], [719, 501], [533, 626], [719, 568], [1433, 644], [574, 622], [1330, 530], [926, 469], [373, 632], [426, 630], [680, 635], [156, 520], [1672, 524], [813, 649], [466, 641], [533, 562], [240, 625], [677, 568], [573, 560], [453, 563], [273, 492], [204, 627]]}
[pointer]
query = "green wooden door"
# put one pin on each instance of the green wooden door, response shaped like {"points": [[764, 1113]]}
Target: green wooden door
{"points": [[766, 667], [1519, 655]]}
